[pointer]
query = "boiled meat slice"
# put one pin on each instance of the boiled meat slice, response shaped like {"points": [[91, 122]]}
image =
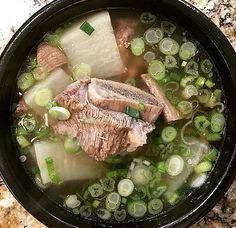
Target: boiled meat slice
{"points": [[170, 112], [99, 49], [100, 132], [117, 96], [49, 57]]}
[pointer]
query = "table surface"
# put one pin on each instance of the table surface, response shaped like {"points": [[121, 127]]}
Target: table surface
{"points": [[221, 12]]}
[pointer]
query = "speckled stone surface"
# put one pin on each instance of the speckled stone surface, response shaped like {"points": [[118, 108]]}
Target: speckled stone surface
{"points": [[221, 12]]}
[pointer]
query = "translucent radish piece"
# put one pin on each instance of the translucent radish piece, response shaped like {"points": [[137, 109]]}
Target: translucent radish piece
{"points": [[153, 36], [187, 50], [168, 46], [81, 71], [149, 56], [137, 46], [156, 69], [168, 27]]}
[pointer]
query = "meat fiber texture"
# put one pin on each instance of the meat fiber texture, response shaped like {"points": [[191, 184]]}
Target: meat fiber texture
{"points": [[99, 49], [100, 132], [57, 81], [170, 112], [117, 96], [68, 167]]}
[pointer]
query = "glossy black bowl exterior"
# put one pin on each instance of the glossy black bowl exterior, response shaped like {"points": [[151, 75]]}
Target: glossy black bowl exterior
{"points": [[38, 204]]}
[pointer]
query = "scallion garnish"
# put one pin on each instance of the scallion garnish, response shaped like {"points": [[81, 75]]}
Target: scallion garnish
{"points": [[132, 112], [87, 28], [52, 171]]}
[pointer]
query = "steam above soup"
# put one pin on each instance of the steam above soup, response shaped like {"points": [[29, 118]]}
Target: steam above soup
{"points": [[120, 115]]}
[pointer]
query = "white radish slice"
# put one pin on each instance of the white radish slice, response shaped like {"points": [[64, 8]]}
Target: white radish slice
{"points": [[57, 81], [99, 50], [69, 167], [59, 113]]}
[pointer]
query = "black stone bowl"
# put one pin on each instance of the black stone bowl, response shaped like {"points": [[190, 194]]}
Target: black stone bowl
{"points": [[39, 205]]}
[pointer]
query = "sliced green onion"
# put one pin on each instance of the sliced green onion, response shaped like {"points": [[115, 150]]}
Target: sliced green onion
{"points": [[172, 199], [59, 113], [137, 209], [25, 81], [71, 145], [187, 80], [201, 123], [211, 101], [191, 68], [29, 123], [185, 107], [95, 190], [50, 104], [153, 36], [184, 150], [200, 82], [171, 97], [39, 182], [155, 181], [210, 84], [71, 201], [147, 18], [113, 201], [120, 215], [83, 70], [155, 206], [137, 46], [141, 106], [35, 170], [168, 134], [43, 96], [158, 191], [149, 56], [212, 155], [104, 214], [187, 51], [139, 193], [170, 62], [108, 184], [85, 211], [40, 73], [87, 28], [189, 91], [20, 130], [42, 132], [131, 81], [168, 27], [217, 122], [156, 69], [54, 38], [175, 76], [213, 137], [203, 167], [168, 46], [203, 96], [117, 173], [52, 171], [206, 66], [31, 62], [125, 187], [132, 112], [174, 165], [123, 200], [23, 142], [141, 175], [161, 167], [164, 81]]}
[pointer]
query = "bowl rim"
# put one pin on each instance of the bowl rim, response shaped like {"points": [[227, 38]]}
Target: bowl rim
{"points": [[227, 53]]}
